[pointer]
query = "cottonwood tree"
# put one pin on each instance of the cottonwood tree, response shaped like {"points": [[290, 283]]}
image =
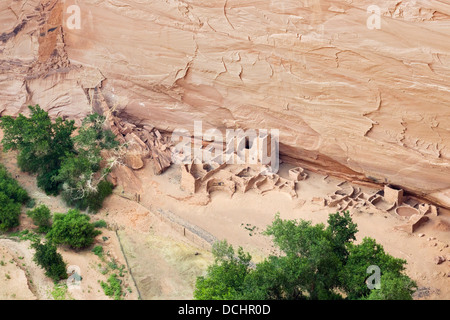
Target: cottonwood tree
{"points": [[42, 145], [50, 260], [12, 197], [62, 162], [73, 229], [315, 262], [83, 177], [41, 217]]}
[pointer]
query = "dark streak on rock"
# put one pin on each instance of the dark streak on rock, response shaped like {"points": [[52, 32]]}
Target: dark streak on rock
{"points": [[6, 36]]}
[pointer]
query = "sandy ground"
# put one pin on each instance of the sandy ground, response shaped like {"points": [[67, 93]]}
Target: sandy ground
{"points": [[164, 263], [20, 278]]}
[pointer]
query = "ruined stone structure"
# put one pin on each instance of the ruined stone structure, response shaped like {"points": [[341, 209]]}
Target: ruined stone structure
{"points": [[390, 199], [207, 178]]}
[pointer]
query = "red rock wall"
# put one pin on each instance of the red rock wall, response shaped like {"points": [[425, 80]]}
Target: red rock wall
{"points": [[347, 99]]}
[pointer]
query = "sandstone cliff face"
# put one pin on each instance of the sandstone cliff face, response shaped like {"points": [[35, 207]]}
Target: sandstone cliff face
{"points": [[363, 103]]}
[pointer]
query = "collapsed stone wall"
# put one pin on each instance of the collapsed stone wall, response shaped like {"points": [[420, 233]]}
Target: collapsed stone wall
{"points": [[389, 200], [204, 179]]}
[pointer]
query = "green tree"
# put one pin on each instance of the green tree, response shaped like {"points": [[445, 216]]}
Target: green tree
{"points": [[226, 276], [11, 188], [84, 183], [72, 229], [49, 259], [113, 287], [343, 232], [315, 262], [41, 143], [12, 197], [393, 287], [93, 137], [62, 162], [41, 217], [361, 256], [9, 212]]}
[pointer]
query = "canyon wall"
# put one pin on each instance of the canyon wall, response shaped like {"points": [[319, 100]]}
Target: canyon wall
{"points": [[364, 103]]}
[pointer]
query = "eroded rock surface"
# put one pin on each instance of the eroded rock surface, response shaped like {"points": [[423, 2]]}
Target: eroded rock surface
{"points": [[356, 102]]}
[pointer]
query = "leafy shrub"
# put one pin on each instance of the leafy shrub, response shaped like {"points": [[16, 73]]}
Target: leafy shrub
{"points": [[98, 251], [109, 140], [25, 235], [31, 204], [61, 162], [88, 199], [49, 259], [113, 287], [46, 181], [9, 213], [73, 229], [84, 185], [12, 196], [41, 217], [95, 200], [393, 287], [60, 292], [11, 188], [100, 224]]}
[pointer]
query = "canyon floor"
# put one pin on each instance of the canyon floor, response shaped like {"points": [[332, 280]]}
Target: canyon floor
{"points": [[162, 263]]}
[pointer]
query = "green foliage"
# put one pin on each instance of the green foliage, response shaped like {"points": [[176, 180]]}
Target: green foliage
{"points": [[11, 188], [49, 259], [31, 204], [92, 133], [46, 181], [113, 264], [73, 229], [109, 140], [60, 292], [41, 144], [76, 172], [98, 251], [25, 235], [394, 287], [113, 287], [342, 231], [100, 224], [12, 196], [361, 256], [41, 217], [226, 276], [84, 187], [62, 163], [316, 262], [9, 213], [95, 200]]}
